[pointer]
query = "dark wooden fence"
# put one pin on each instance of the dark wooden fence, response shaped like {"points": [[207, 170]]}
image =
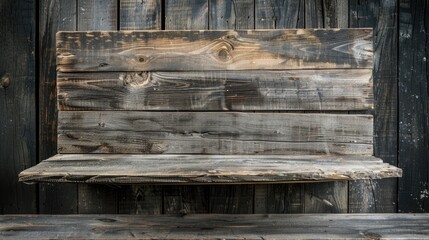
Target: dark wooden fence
{"points": [[28, 111]]}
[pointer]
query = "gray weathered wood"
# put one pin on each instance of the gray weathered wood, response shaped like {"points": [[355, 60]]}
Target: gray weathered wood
{"points": [[140, 199], [213, 133], [208, 169], [18, 124], [328, 197], [214, 50], [279, 198], [140, 14], [278, 14], [335, 89], [216, 226], [232, 14]]}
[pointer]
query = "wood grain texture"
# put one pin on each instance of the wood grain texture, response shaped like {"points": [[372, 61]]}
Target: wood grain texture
{"points": [[207, 169], [97, 15], [55, 15], [335, 89], [414, 106], [184, 200], [186, 14], [18, 130], [328, 197], [231, 199], [140, 199], [279, 198], [232, 14], [382, 15], [217, 226], [278, 14], [213, 133], [140, 14], [214, 50]]}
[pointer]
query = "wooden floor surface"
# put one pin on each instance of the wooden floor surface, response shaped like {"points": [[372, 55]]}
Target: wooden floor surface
{"points": [[323, 226]]}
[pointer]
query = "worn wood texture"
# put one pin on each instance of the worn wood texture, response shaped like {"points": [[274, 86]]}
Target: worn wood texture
{"points": [[140, 14], [214, 50], [17, 104], [279, 198], [414, 105], [186, 15], [217, 226], [212, 169], [97, 15], [335, 89], [278, 14], [54, 15], [330, 197], [213, 133], [382, 16], [326, 14], [232, 14]]}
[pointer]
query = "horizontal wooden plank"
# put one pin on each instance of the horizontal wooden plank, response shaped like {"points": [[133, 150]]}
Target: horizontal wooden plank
{"points": [[333, 89], [217, 226], [157, 50], [213, 133], [205, 169]]}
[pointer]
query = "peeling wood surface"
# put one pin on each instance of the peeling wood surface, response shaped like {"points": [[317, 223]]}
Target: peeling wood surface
{"points": [[214, 50], [212, 169], [217, 226], [335, 89], [213, 133]]}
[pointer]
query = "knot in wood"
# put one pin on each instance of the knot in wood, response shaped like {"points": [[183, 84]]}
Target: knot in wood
{"points": [[135, 79], [5, 81]]}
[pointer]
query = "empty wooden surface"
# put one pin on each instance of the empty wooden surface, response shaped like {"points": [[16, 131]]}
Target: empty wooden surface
{"points": [[211, 169], [213, 133], [335, 89], [217, 226], [214, 50]]}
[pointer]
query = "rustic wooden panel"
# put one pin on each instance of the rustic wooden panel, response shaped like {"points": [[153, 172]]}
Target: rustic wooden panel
{"points": [[140, 199], [330, 197], [54, 15], [212, 169], [214, 50], [278, 14], [213, 133], [219, 90], [140, 14], [17, 104], [217, 226], [186, 14], [382, 15], [414, 105], [97, 15], [232, 14], [279, 198], [232, 199]]}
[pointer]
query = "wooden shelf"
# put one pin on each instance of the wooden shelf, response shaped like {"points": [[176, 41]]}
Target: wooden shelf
{"points": [[298, 226], [205, 169]]}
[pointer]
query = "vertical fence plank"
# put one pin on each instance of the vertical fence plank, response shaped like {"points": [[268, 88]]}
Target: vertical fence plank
{"points": [[229, 14], [379, 195], [54, 15], [331, 197], [184, 15], [278, 198], [17, 104], [140, 15], [414, 105], [97, 15]]}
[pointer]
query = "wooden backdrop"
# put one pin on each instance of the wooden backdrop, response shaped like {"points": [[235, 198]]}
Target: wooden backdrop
{"points": [[28, 103]]}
